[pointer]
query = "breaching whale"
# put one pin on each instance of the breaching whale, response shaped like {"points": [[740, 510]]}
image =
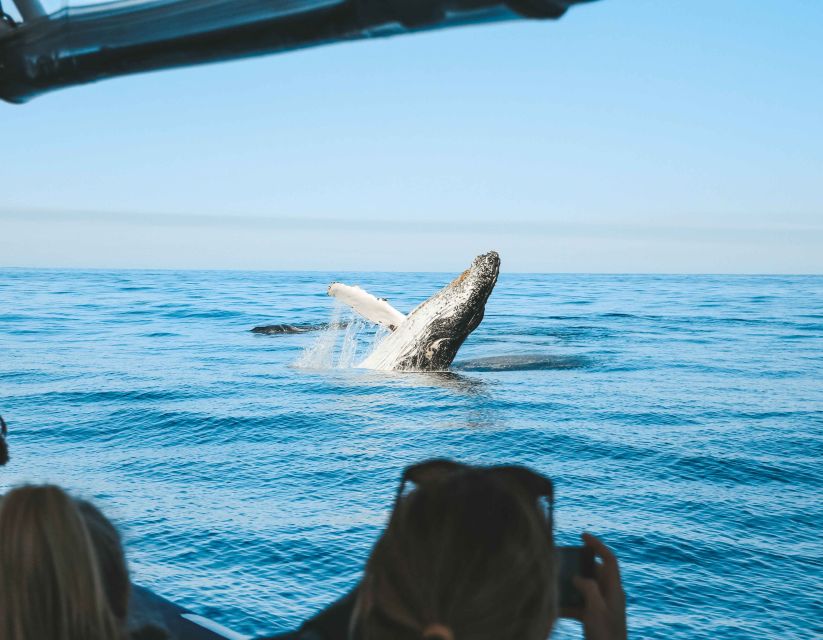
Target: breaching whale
{"points": [[429, 337]]}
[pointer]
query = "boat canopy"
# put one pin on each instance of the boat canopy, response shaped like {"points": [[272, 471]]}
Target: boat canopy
{"points": [[48, 44]]}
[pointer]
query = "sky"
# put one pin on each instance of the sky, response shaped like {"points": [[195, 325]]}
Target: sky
{"points": [[630, 136]]}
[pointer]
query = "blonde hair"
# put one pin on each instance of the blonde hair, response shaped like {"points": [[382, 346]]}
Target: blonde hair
{"points": [[51, 587]]}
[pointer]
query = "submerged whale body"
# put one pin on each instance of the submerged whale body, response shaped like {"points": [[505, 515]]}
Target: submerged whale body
{"points": [[277, 329], [427, 339]]}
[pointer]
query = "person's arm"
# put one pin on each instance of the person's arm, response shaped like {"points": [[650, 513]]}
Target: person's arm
{"points": [[603, 613]]}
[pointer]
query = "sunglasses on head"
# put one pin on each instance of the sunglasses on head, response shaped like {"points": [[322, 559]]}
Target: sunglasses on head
{"points": [[532, 484]]}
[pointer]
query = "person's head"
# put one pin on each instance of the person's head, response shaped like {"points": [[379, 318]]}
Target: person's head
{"points": [[51, 585], [114, 573], [467, 555], [4, 447], [111, 558]]}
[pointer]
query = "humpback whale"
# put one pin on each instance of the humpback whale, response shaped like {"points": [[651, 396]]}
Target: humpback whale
{"points": [[427, 339]]}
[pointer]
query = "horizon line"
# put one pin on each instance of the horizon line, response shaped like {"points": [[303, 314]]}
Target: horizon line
{"points": [[504, 273]]}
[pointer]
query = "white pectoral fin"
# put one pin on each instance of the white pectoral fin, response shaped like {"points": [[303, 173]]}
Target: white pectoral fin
{"points": [[373, 309]]}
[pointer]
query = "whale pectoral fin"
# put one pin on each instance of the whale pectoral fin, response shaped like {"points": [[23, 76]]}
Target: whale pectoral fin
{"points": [[372, 308]]}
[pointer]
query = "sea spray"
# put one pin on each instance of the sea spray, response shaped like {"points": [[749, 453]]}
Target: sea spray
{"points": [[334, 348], [320, 353], [348, 350]]}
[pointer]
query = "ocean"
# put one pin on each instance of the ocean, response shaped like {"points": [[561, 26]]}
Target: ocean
{"points": [[680, 417]]}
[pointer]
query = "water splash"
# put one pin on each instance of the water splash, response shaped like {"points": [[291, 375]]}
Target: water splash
{"points": [[337, 349], [320, 353], [348, 350]]}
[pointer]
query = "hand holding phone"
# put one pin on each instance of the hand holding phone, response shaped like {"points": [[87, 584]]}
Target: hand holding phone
{"points": [[571, 562], [603, 610]]}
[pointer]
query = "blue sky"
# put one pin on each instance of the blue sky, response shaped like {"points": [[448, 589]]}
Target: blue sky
{"points": [[630, 136]]}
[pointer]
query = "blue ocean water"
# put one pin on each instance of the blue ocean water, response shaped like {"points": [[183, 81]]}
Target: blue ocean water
{"points": [[681, 418]]}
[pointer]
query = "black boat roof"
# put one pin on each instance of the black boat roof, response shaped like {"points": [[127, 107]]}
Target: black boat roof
{"points": [[79, 43]]}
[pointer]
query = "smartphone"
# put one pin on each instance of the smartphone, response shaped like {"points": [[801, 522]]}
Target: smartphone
{"points": [[572, 561]]}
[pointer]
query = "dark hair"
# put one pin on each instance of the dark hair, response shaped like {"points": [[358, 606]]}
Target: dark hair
{"points": [[467, 554], [4, 447]]}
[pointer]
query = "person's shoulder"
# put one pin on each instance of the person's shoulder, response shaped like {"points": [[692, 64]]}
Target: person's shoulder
{"points": [[149, 632]]}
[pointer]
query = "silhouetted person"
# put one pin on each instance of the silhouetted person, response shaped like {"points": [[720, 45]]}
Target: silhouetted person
{"points": [[468, 554], [51, 585], [4, 448], [63, 571]]}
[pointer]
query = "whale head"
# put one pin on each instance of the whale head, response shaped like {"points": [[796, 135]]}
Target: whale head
{"points": [[432, 333]]}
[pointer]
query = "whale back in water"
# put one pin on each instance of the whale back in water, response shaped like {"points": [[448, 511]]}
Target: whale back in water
{"points": [[429, 337], [276, 329]]}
